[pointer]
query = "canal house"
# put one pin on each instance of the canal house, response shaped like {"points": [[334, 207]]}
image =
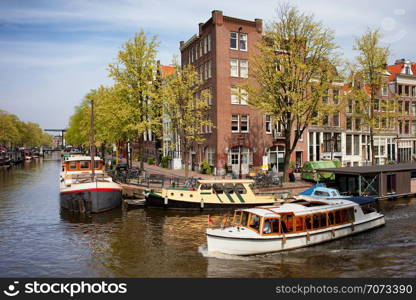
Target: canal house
{"points": [[381, 181]]}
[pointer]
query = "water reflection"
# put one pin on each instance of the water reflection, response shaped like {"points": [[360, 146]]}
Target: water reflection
{"points": [[39, 239]]}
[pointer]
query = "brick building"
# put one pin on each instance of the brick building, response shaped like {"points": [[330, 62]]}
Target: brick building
{"points": [[241, 136]]}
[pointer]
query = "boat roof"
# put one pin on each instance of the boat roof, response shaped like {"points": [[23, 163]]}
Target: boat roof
{"points": [[319, 187], [79, 158], [371, 169], [212, 181], [299, 209]]}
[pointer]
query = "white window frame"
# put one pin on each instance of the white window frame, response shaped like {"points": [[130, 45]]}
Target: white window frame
{"points": [[245, 68], [238, 123], [246, 41], [236, 40], [268, 124], [209, 42], [234, 95], [234, 65], [247, 121]]}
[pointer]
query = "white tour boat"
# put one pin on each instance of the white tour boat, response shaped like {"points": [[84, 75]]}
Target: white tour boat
{"points": [[294, 224], [82, 191]]}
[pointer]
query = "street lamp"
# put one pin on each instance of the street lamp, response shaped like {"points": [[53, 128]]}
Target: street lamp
{"points": [[240, 155]]}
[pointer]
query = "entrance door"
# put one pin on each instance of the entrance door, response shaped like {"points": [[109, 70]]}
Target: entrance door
{"points": [[298, 159]]}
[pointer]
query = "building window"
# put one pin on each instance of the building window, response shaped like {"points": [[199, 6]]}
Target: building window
{"points": [[335, 119], [238, 41], [349, 123], [348, 144], [244, 68], [239, 96], [268, 124], [357, 124], [384, 91], [209, 69], [325, 120], [209, 155], [233, 40], [234, 67], [327, 142], [234, 123], [245, 123], [337, 142], [209, 42], [335, 95], [243, 41], [356, 145]]}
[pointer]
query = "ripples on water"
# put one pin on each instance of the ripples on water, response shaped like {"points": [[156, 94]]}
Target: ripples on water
{"points": [[37, 239]]}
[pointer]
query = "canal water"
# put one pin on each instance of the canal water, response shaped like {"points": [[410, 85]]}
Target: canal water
{"points": [[37, 239]]}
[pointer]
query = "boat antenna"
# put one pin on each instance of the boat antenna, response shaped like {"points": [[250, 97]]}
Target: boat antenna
{"points": [[92, 140]]}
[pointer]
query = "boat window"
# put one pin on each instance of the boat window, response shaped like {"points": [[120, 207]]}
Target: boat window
{"points": [[321, 193], [337, 217], [323, 220], [218, 188], [244, 218], [344, 216], [299, 223], [229, 188], [73, 165], [237, 217], [316, 220], [254, 222], [271, 226], [96, 164], [206, 186], [287, 224], [334, 194], [240, 189], [84, 164], [350, 212], [308, 222], [331, 218]]}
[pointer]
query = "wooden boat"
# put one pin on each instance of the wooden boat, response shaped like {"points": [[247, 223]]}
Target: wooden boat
{"points": [[80, 191], [210, 194], [294, 224]]}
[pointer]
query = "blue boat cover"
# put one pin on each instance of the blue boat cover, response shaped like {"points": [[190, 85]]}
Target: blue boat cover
{"points": [[310, 190], [361, 200]]}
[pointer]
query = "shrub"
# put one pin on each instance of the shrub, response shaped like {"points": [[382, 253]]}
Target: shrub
{"points": [[164, 162], [205, 168], [150, 160]]}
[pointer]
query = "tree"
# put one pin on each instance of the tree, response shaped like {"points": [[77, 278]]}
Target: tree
{"points": [[295, 67], [134, 73], [371, 67], [185, 109], [9, 133]]}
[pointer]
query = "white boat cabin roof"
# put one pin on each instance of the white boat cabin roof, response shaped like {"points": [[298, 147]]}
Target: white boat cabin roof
{"points": [[299, 209], [222, 181], [81, 158]]}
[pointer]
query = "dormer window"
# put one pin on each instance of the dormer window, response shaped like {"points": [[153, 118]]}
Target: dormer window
{"points": [[407, 70]]}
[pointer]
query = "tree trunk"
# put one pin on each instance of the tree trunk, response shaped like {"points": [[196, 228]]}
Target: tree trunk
{"points": [[286, 161], [141, 151], [373, 154], [186, 162]]}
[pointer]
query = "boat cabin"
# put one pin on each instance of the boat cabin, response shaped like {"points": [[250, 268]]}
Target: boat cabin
{"points": [[81, 164], [291, 218]]}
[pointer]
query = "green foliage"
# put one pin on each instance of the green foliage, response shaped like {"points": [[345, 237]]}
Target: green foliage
{"points": [[14, 132], [151, 160], [295, 67], [206, 168], [185, 104], [165, 161]]}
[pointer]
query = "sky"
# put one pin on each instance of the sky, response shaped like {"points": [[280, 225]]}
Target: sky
{"points": [[53, 52]]}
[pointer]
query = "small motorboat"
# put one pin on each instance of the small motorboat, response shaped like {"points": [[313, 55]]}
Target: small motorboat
{"points": [[210, 194], [295, 224], [83, 191]]}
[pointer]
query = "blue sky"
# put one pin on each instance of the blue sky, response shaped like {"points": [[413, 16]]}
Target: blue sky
{"points": [[53, 52]]}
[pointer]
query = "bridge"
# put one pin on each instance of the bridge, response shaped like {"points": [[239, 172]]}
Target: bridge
{"points": [[62, 131]]}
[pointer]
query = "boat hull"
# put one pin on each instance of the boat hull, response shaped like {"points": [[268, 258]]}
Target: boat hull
{"points": [[91, 200], [155, 201], [252, 246]]}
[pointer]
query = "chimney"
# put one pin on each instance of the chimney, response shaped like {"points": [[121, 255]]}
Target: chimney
{"points": [[259, 25], [217, 17]]}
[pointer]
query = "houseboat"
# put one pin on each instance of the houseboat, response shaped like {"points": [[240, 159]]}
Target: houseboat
{"points": [[83, 190], [210, 194], [294, 224]]}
